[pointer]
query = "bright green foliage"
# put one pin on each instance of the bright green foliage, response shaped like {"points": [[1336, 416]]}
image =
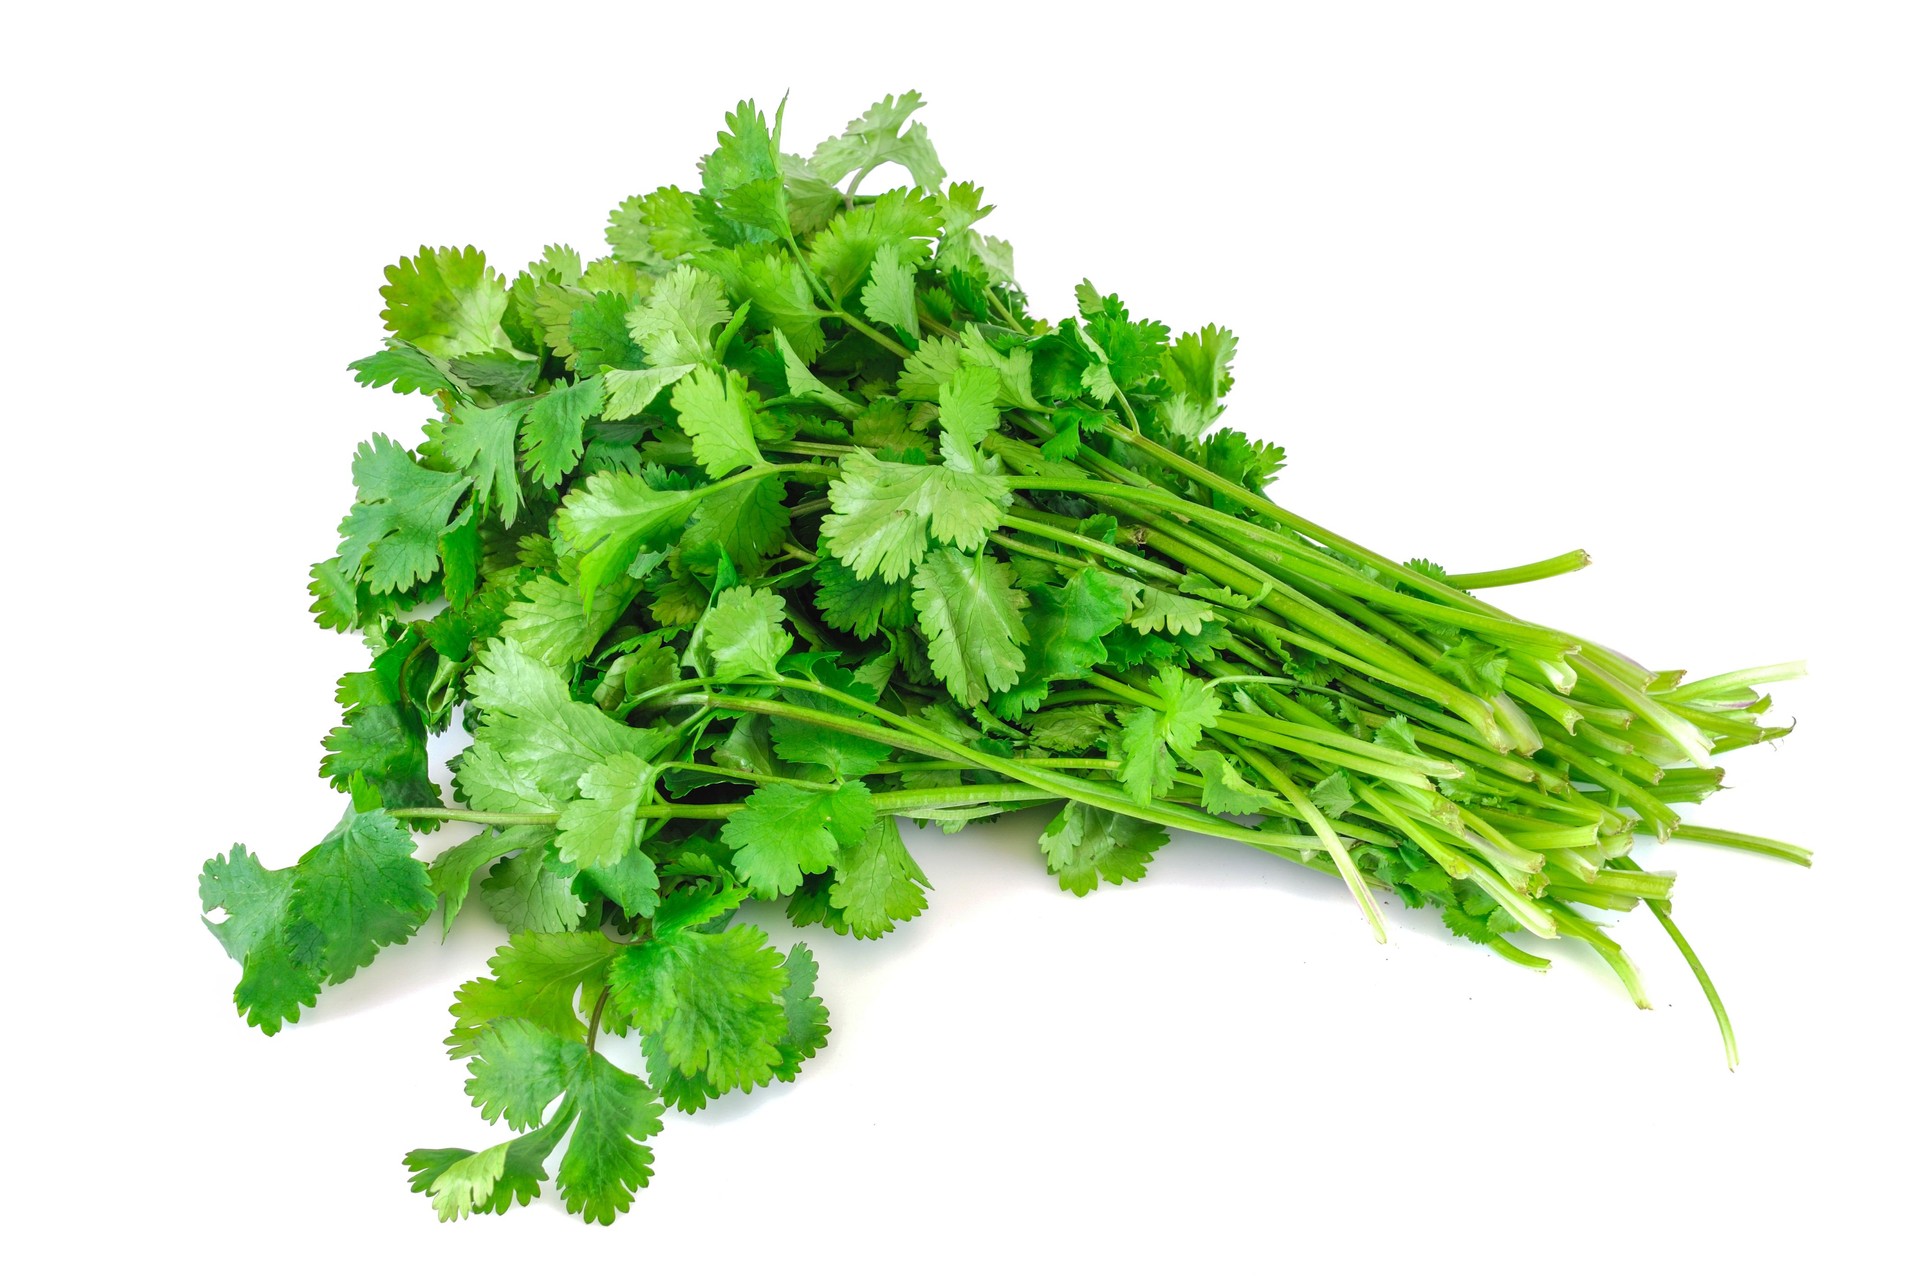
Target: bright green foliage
{"points": [[447, 302], [391, 537], [876, 883], [785, 832], [712, 998], [1150, 736], [603, 825], [717, 412], [1085, 845], [970, 613], [884, 512], [787, 522], [320, 920], [746, 633]]}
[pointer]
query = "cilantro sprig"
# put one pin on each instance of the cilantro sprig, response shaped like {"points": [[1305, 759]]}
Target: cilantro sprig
{"points": [[784, 521]]}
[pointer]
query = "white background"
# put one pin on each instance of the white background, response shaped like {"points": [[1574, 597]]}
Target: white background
{"points": [[1508, 279]]}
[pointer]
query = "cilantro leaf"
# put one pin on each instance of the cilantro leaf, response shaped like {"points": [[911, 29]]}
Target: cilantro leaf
{"points": [[1086, 844], [613, 517], [885, 512], [554, 435], [745, 633], [970, 613], [391, 537], [718, 411], [713, 1000], [322, 919], [877, 883], [1186, 709], [785, 832], [446, 301], [876, 138], [537, 977]]}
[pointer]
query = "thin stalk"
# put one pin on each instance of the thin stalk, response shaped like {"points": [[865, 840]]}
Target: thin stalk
{"points": [[1539, 570]]}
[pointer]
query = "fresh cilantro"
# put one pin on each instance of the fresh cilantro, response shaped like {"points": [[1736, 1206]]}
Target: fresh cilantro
{"points": [[785, 522]]}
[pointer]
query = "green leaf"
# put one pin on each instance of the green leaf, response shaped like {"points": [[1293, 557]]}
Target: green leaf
{"points": [[446, 301], [967, 411], [841, 753], [613, 517], [743, 174], [970, 613], [555, 430], [1187, 709], [382, 737], [675, 324], [480, 441], [862, 607], [746, 523], [524, 894], [802, 384], [875, 138], [885, 512], [391, 537], [464, 1183], [318, 922], [518, 1070], [408, 369], [1333, 795], [607, 1160], [631, 391], [745, 633], [450, 877], [602, 826], [1225, 791], [1065, 625], [536, 977], [1159, 610], [877, 883], [713, 1000], [1085, 845], [534, 741], [549, 625], [889, 297], [785, 832], [806, 1014], [718, 412]]}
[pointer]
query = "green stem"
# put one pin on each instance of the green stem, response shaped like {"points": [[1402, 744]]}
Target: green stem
{"points": [[478, 818], [1540, 570]]}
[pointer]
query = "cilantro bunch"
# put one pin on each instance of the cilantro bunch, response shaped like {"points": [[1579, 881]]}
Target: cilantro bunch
{"points": [[785, 520]]}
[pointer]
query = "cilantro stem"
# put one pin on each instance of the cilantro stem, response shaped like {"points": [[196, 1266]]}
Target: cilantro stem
{"points": [[1664, 914], [593, 1023], [478, 818], [1540, 570], [1688, 832], [872, 334]]}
